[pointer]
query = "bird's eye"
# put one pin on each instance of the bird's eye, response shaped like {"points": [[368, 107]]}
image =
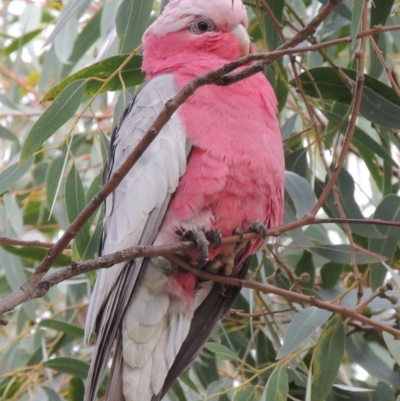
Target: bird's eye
{"points": [[202, 25]]}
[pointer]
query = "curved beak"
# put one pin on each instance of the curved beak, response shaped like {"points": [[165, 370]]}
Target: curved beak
{"points": [[240, 32]]}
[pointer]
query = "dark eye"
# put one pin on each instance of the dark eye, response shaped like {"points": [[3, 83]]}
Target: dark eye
{"points": [[202, 25]]}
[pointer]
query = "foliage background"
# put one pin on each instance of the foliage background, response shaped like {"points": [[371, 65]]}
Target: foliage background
{"points": [[50, 169]]}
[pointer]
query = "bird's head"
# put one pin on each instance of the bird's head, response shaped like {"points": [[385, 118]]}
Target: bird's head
{"points": [[189, 31]]}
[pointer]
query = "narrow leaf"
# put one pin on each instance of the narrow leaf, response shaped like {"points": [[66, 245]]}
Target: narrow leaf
{"points": [[59, 112], [75, 202], [131, 74], [301, 193], [62, 327], [393, 346], [277, 385], [223, 352], [330, 347], [13, 173], [301, 327]]}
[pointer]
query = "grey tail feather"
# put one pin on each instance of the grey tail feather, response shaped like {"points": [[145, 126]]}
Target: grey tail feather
{"points": [[208, 314], [114, 389]]}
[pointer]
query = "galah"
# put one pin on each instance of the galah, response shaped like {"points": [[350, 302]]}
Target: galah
{"points": [[216, 167]]}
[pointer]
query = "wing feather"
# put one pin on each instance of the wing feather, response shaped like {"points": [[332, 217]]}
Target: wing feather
{"points": [[134, 211]]}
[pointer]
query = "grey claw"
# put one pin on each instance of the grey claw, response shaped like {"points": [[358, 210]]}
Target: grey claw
{"points": [[239, 231], [258, 227], [215, 237], [202, 245]]}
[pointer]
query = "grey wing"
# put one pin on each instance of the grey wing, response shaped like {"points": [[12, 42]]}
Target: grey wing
{"points": [[134, 211]]}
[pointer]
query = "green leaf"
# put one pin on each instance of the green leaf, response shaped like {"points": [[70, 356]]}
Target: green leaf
{"points": [[223, 352], [75, 202], [76, 390], [393, 346], [330, 347], [85, 39], [361, 352], [37, 254], [67, 14], [331, 85], [53, 180], [62, 327], [356, 20], [18, 43], [301, 327], [59, 112], [131, 21], [277, 386], [51, 394], [70, 366], [330, 274], [341, 254], [8, 135], [132, 75], [244, 394], [388, 209], [300, 192], [379, 110], [13, 173]]}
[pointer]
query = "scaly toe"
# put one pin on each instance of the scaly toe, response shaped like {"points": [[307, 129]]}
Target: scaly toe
{"points": [[215, 237], [202, 245], [258, 227]]}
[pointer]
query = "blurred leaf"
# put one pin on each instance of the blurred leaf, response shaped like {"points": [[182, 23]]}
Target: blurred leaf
{"points": [[13, 173], [244, 394], [341, 254], [361, 352], [393, 346], [18, 43], [356, 20], [223, 352], [277, 386], [300, 192], [131, 21], [66, 15], [70, 366], [383, 392], [131, 74], [62, 327], [37, 254], [85, 39], [7, 134], [330, 84], [76, 390], [53, 181], [330, 274], [288, 128], [51, 394], [330, 347], [75, 202], [56, 115], [389, 210], [303, 324]]}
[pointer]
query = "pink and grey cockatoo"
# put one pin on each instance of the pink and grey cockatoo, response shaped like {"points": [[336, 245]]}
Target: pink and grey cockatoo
{"points": [[216, 167]]}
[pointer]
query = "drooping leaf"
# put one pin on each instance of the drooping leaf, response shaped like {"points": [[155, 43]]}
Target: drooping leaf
{"points": [[277, 386], [13, 173], [57, 114], [330, 347], [75, 202], [131, 74], [223, 352], [389, 210], [301, 327]]}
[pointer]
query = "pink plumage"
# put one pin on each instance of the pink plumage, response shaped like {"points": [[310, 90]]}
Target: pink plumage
{"points": [[218, 164]]}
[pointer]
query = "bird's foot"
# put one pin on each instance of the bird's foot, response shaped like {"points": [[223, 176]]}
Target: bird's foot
{"points": [[238, 231], [257, 227], [215, 237], [202, 245]]}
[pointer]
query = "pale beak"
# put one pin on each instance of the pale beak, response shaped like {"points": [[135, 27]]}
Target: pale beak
{"points": [[240, 32]]}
